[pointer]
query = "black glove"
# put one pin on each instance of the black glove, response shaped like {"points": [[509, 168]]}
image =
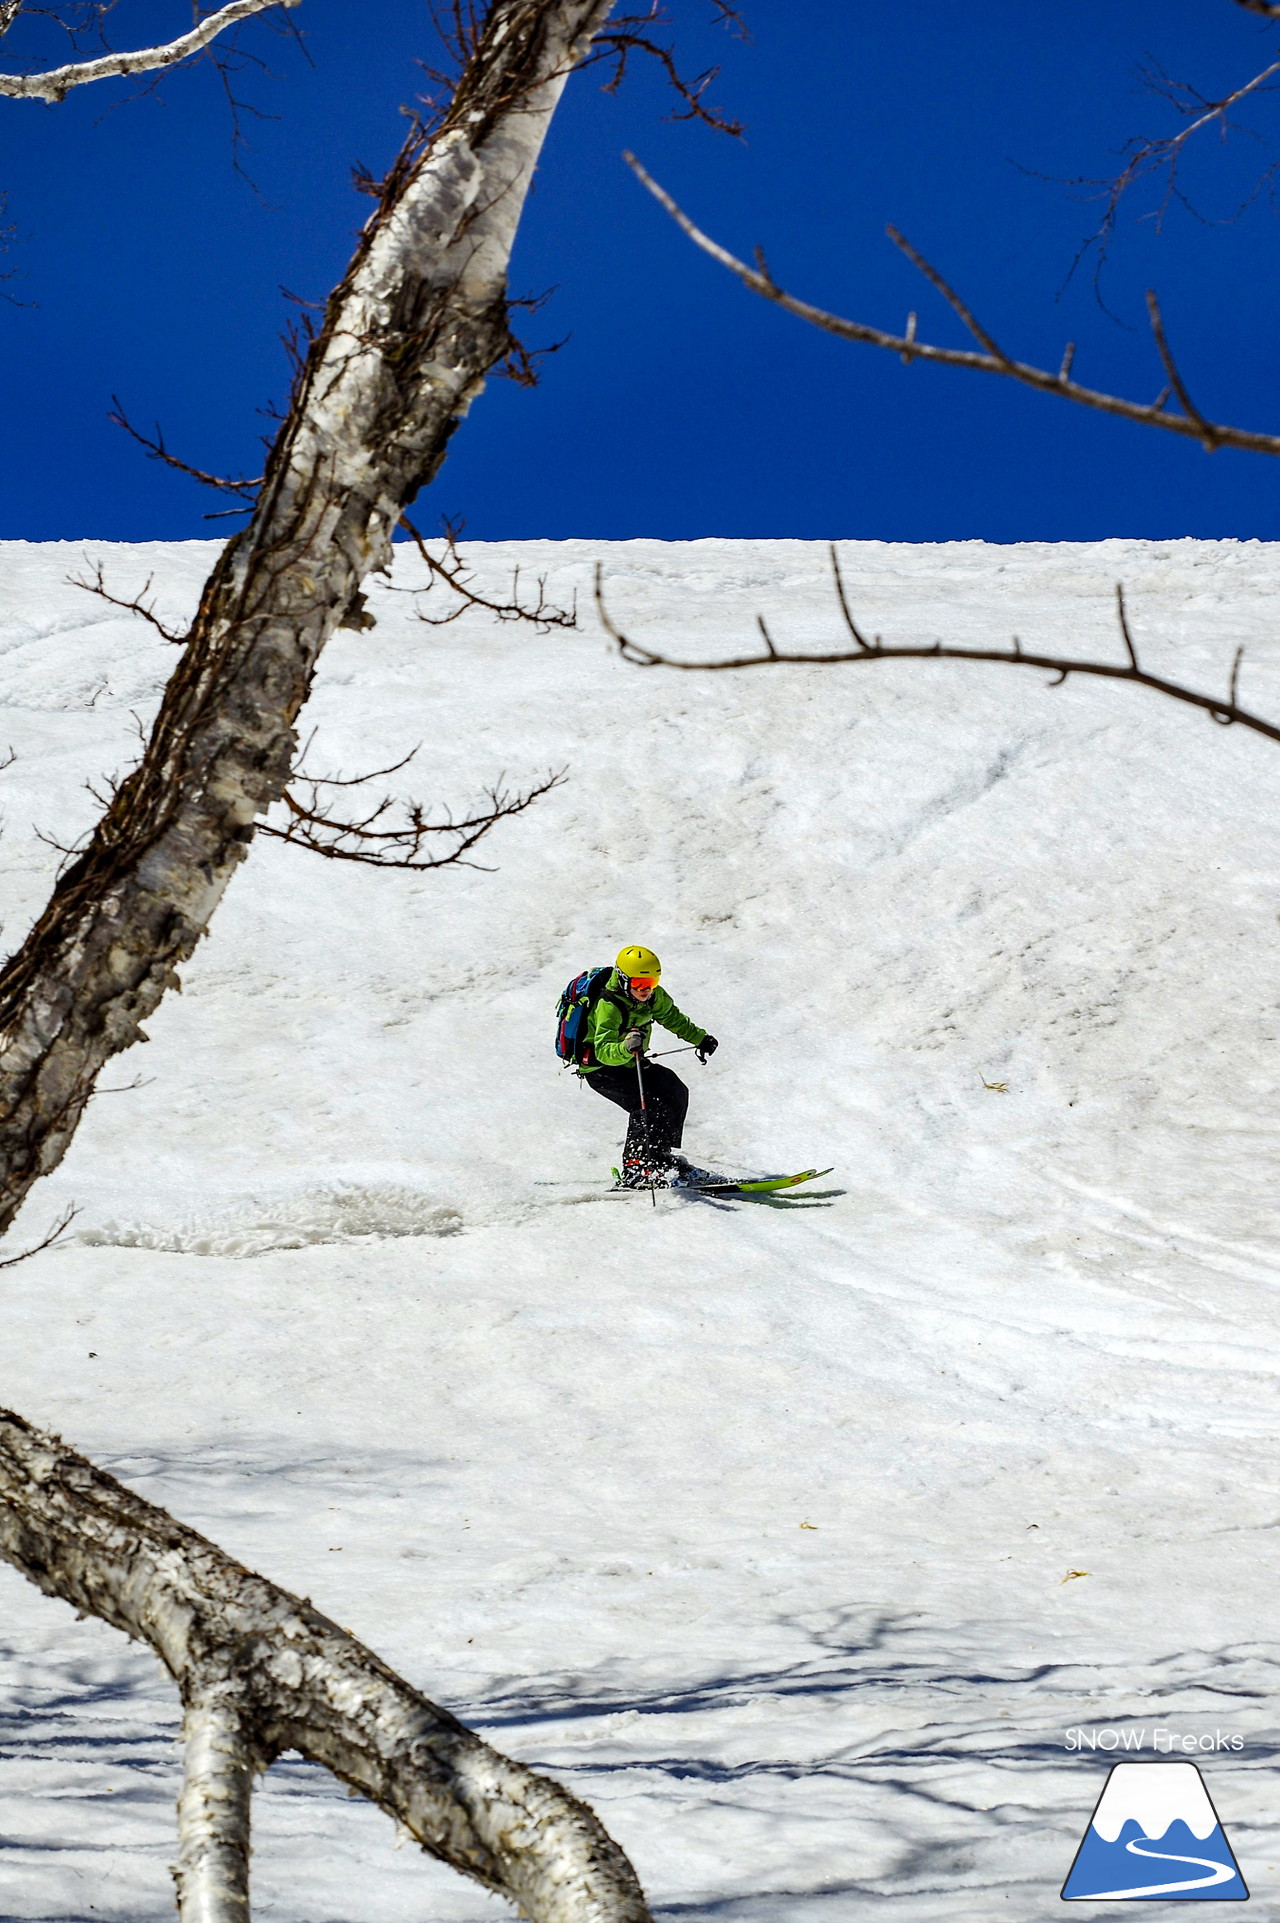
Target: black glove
{"points": [[633, 1042], [707, 1046]]}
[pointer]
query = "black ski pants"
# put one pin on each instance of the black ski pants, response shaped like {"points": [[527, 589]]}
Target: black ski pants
{"points": [[653, 1133]]}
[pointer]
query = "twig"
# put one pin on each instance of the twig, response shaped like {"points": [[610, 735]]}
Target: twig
{"points": [[99, 587], [1124, 628], [159, 452], [949, 294], [1190, 423], [378, 840], [845, 610], [1227, 712], [1225, 715], [625, 36], [731, 18], [59, 1228], [1208, 434], [452, 571], [1165, 152]]}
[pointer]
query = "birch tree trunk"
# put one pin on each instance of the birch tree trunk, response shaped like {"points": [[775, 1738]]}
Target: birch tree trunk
{"points": [[407, 339], [261, 1671]]}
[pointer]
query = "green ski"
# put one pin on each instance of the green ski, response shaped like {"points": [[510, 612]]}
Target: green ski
{"points": [[729, 1185], [758, 1185]]}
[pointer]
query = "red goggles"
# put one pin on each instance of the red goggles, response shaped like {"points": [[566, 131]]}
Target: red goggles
{"points": [[642, 982]]}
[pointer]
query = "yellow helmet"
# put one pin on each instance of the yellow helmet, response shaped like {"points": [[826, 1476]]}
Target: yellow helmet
{"points": [[636, 960]]}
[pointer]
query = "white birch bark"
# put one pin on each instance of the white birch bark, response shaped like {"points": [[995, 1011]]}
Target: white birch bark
{"points": [[261, 1671], [219, 1764], [407, 339], [57, 83]]}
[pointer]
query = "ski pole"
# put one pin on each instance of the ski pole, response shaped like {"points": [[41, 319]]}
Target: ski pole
{"points": [[686, 1050], [644, 1125]]}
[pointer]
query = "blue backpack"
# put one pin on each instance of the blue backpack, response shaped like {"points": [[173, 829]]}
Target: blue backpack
{"points": [[574, 1015]]}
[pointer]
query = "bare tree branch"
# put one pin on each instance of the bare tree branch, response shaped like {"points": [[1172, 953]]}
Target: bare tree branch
{"points": [[378, 840], [1163, 153], [931, 274], [157, 451], [450, 569], [1208, 433], [1227, 712], [1267, 8], [98, 586], [261, 1671], [407, 339], [58, 82], [630, 34], [993, 360], [731, 18], [81, 21], [55, 1234]]}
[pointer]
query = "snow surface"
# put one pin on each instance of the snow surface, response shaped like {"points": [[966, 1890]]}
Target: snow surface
{"points": [[764, 1534]]}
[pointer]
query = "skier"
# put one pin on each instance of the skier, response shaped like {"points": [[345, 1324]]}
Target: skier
{"points": [[655, 1099]]}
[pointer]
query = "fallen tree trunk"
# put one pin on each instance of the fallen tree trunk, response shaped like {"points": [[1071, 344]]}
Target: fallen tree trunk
{"points": [[407, 339], [261, 1671]]}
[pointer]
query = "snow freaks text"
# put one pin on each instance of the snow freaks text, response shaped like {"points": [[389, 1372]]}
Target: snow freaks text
{"points": [[1164, 1742]]}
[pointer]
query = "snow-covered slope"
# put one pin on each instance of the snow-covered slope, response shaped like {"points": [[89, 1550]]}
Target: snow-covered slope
{"points": [[753, 1522]]}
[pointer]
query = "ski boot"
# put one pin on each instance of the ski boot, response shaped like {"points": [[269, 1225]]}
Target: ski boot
{"points": [[684, 1175], [644, 1175]]}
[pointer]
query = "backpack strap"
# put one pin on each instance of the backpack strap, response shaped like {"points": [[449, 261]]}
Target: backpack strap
{"points": [[595, 996]]}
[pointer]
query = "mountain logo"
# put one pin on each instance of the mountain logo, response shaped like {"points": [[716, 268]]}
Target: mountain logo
{"points": [[1154, 1833]]}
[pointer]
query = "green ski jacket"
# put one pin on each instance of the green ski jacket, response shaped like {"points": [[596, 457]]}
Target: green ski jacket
{"points": [[609, 1023]]}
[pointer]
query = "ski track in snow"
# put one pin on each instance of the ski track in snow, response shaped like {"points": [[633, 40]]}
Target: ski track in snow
{"points": [[751, 1528]]}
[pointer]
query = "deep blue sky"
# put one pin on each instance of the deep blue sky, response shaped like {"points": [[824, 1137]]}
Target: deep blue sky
{"points": [[681, 405]]}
